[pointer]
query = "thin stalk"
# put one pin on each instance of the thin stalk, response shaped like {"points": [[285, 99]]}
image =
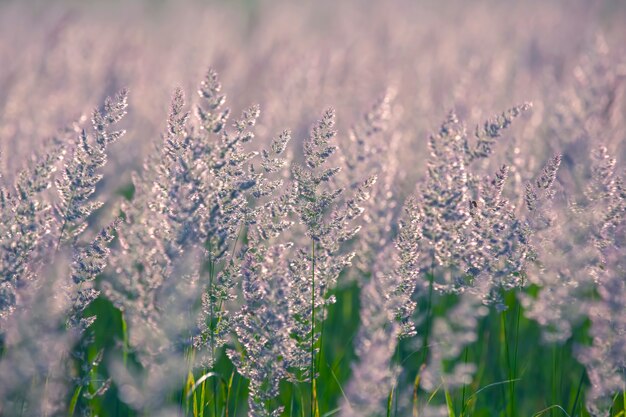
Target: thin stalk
{"points": [[449, 402], [125, 341], [74, 401], [321, 341], [464, 385], [211, 329], [507, 354], [554, 366], [230, 386], [561, 367], [202, 398], [428, 316], [514, 373], [313, 408], [578, 390], [390, 402], [416, 385], [237, 395], [486, 335], [187, 401], [395, 410]]}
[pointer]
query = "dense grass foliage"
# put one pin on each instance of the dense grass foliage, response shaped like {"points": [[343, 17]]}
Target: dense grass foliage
{"points": [[449, 239]]}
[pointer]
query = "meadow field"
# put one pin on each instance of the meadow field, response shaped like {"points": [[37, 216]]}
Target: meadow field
{"points": [[356, 208]]}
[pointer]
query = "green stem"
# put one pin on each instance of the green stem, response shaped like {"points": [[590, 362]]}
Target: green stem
{"points": [[211, 328], [519, 316], [554, 367], [230, 385], [313, 329], [395, 411], [464, 385], [578, 390], [508, 356], [237, 395], [389, 402]]}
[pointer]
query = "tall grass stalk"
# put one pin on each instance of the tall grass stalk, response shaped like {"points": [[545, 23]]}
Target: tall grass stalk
{"points": [[428, 317], [514, 370], [314, 408]]}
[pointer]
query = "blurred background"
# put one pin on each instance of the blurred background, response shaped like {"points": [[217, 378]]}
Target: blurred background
{"points": [[59, 59]]}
